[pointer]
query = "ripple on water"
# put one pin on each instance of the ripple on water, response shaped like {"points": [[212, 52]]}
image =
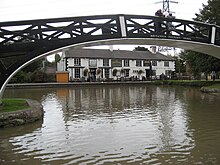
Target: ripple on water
{"points": [[129, 125]]}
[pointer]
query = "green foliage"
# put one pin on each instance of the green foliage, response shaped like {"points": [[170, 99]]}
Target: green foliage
{"points": [[34, 73], [114, 72], [214, 86], [199, 62], [180, 65], [194, 83], [10, 105], [98, 71], [85, 72], [210, 13], [140, 71], [57, 58]]}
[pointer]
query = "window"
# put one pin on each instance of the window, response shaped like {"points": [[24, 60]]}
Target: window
{"points": [[168, 72], [166, 63], [126, 62], [106, 73], [153, 72], [93, 63], [77, 62], [146, 63], [105, 62], [154, 63], [116, 63], [126, 72], [77, 72], [138, 63]]}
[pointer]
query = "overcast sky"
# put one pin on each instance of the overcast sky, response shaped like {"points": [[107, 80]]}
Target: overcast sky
{"points": [[11, 10]]}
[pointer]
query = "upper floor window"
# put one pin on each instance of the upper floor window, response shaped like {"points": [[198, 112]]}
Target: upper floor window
{"points": [[146, 63], [166, 63], [126, 62], [77, 62], [154, 63], [116, 63], [93, 63], [138, 63], [105, 62]]}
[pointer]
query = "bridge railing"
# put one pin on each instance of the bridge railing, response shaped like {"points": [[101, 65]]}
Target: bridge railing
{"points": [[40, 31], [217, 36], [160, 27], [25, 35]]}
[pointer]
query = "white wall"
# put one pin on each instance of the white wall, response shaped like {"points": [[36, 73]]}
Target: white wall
{"points": [[133, 70]]}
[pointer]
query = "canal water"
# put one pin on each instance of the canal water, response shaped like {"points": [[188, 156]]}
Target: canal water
{"points": [[136, 124]]}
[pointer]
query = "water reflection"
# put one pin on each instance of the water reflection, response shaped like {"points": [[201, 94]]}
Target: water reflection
{"points": [[109, 124]]}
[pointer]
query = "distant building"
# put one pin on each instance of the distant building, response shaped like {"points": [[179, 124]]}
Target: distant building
{"points": [[93, 64]]}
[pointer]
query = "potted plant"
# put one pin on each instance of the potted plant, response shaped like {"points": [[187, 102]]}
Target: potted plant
{"points": [[98, 73], [85, 74], [122, 74], [114, 72], [139, 73]]}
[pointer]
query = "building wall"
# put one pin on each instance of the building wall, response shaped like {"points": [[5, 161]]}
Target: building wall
{"points": [[133, 69]]}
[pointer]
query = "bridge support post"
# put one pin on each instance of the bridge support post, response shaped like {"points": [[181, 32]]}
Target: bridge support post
{"points": [[123, 26], [2, 89], [213, 35]]}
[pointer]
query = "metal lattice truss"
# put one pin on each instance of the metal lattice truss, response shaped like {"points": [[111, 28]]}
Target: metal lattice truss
{"points": [[26, 35], [29, 39], [155, 27], [48, 30]]}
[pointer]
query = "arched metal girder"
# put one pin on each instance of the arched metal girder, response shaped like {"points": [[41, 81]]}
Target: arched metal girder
{"points": [[22, 41]]}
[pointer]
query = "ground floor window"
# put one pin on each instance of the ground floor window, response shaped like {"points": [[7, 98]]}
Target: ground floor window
{"points": [[106, 73], [153, 72], [168, 73], [126, 72], [166, 63], [154, 63], [77, 72]]}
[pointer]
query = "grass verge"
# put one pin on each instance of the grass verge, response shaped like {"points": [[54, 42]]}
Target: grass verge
{"points": [[11, 105], [215, 86], [196, 83]]}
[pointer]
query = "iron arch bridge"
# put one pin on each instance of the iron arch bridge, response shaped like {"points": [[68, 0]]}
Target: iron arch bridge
{"points": [[22, 42]]}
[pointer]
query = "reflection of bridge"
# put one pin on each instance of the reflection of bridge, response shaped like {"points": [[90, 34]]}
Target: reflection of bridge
{"points": [[22, 42]]}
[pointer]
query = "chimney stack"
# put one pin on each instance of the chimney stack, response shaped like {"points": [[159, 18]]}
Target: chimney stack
{"points": [[111, 48], [153, 49]]}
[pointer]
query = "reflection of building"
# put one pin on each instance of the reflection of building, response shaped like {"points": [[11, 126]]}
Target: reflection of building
{"points": [[105, 64]]}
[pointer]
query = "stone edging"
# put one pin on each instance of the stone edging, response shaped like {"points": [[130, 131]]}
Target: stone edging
{"points": [[22, 117], [210, 90]]}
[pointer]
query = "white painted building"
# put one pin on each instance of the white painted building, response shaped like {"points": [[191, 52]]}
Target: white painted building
{"points": [[117, 64]]}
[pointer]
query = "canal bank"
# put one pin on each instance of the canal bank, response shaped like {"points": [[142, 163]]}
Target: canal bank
{"points": [[215, 88], [195, 83], [21, 117]]}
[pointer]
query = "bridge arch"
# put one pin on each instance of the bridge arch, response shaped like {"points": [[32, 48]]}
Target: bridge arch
{"points": [[37, 38]]}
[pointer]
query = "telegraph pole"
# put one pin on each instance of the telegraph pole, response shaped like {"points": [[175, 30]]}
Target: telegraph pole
{"points": [[166, 5], [166, 9]]}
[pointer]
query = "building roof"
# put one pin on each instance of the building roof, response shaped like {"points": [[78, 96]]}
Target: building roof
{"points": [[116, 54]]}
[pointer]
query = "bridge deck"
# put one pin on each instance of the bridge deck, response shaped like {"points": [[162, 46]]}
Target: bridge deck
{"points": [[22, 42]]}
